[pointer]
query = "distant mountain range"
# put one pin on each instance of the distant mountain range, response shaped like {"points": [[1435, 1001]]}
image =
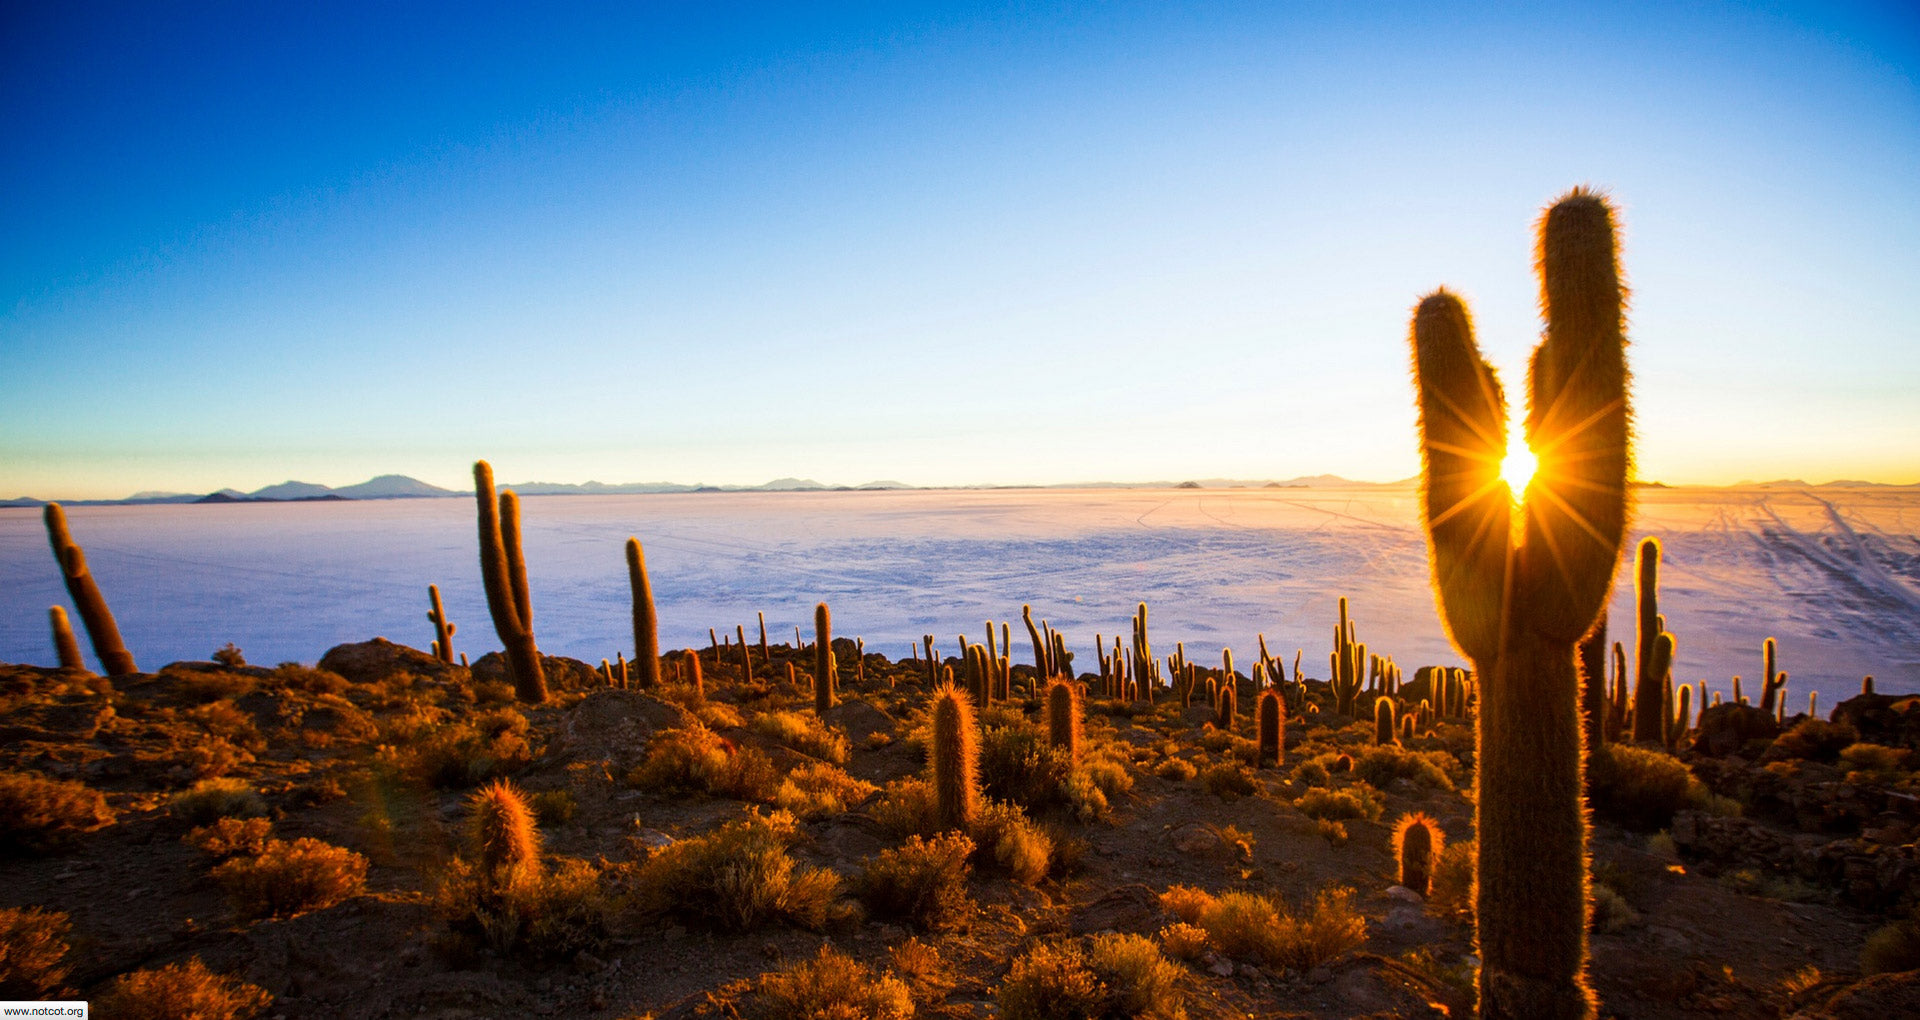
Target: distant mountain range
{"points": [[403, 487]]}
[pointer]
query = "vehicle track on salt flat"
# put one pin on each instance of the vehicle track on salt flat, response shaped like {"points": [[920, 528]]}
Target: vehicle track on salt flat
{"points": [[1852, 567]]}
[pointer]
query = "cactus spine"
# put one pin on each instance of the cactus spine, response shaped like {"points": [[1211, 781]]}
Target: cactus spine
{"points": [[64, 644], [1063, 717], [442, 630], [822, 658], [105, 634], [1517, 600], [503, 570], [955, 759], [1273, 728], [1417, 843]]}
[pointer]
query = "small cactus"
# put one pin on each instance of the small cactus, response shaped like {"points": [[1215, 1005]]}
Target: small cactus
{"points": [[1272, 716], [64, 644], [1417, 844], [1224, 707], [1063, 717], [443, 631], [1774, 684], [695, 678], [503, 833], [105, 634], [1386, 724], [955, 759]]}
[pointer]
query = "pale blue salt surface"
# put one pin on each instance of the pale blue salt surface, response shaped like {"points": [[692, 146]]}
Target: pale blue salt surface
{"points": [[1834, 574]]}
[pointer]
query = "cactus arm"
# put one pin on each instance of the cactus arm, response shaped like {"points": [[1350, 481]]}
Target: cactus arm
{"points": [[1466, 506], [87, 600], [500, 562]]}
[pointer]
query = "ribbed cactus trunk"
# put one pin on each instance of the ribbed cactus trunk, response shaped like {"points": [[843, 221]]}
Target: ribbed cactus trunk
{"points": [[503, 570], [646, 625], [104, 633], [954, 760], [823, 670], [64, 644], [1273, 728], [1650, 675], [1063, 717], [1518, 600]]}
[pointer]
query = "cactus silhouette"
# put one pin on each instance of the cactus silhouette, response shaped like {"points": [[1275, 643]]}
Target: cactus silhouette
{"points": [[955, 759], [503, 833], [1655, 646], [1063, 717], [1519, 587], [504, 572], [104, 633], [1041, 648], [1417, 843], [1225, 706], [442, 630], [1386, 724], [1772, 683], [1272, 717], [64, 644], [646, 626]]}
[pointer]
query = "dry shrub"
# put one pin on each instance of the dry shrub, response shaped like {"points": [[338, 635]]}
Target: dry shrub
{"points": [[1871, 761], [1452, 894], [804, 733], [200, 688], [33, 945], [698, 760], [1357, 801], [212, 799], [288, 878], [1894, 947], [293, 676], [1812, 739], [1382, 764], [231, 837], [831, 986], [1335, 833], [1265, 928], [544, 910], [1183, 941], [1050, 982], [924, 881], [462, 753], [1641, 788], [1611, 912], [1177, 769], [1019, 764], [223, 720], [907, 807], [1117, 976], [38, 814], [182, 991], [553, 807], [737, 877], [1008, 841], [817, 789], [1229, 780], [916, 961]]}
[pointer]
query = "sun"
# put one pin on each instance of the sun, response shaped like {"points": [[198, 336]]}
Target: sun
{"points": [[1517, 469]]}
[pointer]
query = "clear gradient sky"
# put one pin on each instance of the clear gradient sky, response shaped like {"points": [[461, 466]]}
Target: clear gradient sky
{"points": [[251, 242]]}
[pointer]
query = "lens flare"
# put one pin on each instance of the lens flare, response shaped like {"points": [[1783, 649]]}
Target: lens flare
{"points": [[1517, 469]]}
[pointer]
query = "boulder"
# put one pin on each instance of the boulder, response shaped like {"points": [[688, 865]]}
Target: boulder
{"points": [[1889, 719], [1731, 728], [368, 662]]}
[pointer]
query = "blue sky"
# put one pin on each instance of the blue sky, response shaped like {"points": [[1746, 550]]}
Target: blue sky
{"points": [[1029, 243]]}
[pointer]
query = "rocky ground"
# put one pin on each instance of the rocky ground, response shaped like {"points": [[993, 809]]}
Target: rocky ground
{"points": [[1752, 895]]}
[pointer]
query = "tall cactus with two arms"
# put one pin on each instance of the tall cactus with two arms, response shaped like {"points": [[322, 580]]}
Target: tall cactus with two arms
{"points": [[1516, 600], [503, 569]]}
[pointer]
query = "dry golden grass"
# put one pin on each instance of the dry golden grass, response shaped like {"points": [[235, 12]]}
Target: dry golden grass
{"points": [[1265, 928], [231, 837], [805, 733], [289, 878], [923, 881], [830, 986], [33, 949], [737, 877], [182, 991], [38, 814]]}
